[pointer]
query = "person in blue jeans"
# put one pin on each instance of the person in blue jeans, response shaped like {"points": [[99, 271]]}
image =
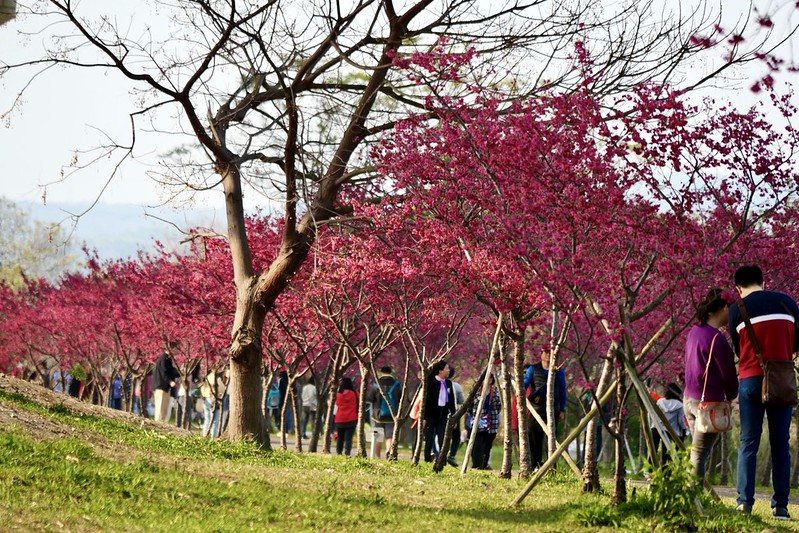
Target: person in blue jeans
{"points": [[774, 316]]}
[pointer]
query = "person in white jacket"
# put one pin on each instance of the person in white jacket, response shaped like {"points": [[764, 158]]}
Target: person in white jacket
{"points": [[671, 405], [310, 404]]}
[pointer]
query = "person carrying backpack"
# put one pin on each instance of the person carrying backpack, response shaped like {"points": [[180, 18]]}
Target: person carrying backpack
{"points": [[384, 412]]}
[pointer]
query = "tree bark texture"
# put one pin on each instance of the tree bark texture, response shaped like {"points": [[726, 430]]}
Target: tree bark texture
{"points": [[593, 431], [360, 450], [507, 445], [619, 475], [523, 418], [452, 422]]}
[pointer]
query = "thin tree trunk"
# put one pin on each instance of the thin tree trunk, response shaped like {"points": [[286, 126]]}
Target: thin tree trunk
{"points": [[506, 388], [523, 418], [552, 374], [619, 475], [478, 412], [641, 434], [335, 378], [321, 410], [360, 451], [296, 412], [552, 417], [417, 446], [452, 421], [282, 425], [590, 465], [327, 437], [403, 411]]}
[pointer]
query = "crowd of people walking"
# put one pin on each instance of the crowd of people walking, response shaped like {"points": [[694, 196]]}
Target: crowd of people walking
{"points": [[761, 326]]}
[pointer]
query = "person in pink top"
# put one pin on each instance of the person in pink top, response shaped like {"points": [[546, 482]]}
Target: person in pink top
{"points": [[705, 343], [346, 417]]}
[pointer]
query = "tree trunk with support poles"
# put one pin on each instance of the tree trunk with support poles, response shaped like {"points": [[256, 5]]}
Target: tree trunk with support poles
{"points": [[507, 448], [521, 399], [452, 422], [483, 393], [419, 441], [590, 466], [335, 379], [619, 475], [360, 450]]}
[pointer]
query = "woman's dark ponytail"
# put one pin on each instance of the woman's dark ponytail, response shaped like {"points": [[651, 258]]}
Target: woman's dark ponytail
{"points": [[712, 303]]}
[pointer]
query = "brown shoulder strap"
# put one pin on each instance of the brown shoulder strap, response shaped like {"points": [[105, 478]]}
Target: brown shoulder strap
{"points": [[750, 330]]}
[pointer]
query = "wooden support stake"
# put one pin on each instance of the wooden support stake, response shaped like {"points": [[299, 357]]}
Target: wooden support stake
{"points": [[483, 392]]}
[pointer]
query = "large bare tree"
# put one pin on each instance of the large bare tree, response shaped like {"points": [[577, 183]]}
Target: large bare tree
{"points": [[283, 96]]}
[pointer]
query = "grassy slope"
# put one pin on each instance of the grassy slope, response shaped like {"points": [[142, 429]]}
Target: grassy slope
{"points": [[122, 478]]}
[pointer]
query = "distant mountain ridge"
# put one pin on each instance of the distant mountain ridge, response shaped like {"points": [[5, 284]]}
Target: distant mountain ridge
{"points": [[119, 231]]}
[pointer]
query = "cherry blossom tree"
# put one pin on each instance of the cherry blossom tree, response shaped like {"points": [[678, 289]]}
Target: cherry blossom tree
{"points": [[612, 211], [283, 96]]}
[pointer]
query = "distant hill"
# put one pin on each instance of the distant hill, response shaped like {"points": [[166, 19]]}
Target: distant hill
{"points": [[121, 230]]}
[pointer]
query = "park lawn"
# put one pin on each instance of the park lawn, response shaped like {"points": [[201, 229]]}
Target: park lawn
{"points": [[112, 476]]}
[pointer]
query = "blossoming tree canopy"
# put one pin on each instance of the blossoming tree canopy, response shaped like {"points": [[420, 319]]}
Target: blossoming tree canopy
{"points": [[637, 204]]}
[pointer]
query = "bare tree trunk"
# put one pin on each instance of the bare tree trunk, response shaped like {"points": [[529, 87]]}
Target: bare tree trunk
{"points": [[506, 389], [521, 403], [316, 426], [321, 410], [452, 421], [619, 475], [296, 413], [403, 411], [335, 378], [590, 466], [360, 451], [641, 434], [552, 417], [417, 446], [552, 374], [327, 438], [282, 426], [266, 378], [245, 418]]}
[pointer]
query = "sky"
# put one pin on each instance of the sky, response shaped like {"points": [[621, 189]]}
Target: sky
{"points": [[64, 114]]}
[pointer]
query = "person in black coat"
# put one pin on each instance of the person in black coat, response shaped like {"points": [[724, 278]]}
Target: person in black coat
{"points": [[439, 405], [164, 377]]}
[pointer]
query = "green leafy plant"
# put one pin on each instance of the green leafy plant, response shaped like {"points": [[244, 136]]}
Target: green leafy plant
{"points": [[674, 492], [599, 515]]}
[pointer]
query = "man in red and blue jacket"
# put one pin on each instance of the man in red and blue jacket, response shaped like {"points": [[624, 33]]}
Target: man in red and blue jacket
{"points": [[774, 318]]}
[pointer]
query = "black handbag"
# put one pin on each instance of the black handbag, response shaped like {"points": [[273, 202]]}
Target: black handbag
{"points": [[779, 377]]}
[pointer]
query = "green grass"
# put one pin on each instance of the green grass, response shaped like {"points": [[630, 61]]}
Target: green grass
{"points": [[152, 482]]}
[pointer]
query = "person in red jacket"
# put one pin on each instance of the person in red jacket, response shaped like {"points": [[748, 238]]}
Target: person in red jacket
{"points": [[346, 415], [773, 316]]}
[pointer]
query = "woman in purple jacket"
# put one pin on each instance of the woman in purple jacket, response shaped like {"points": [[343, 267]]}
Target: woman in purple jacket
{"points": [[722, 379]]}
